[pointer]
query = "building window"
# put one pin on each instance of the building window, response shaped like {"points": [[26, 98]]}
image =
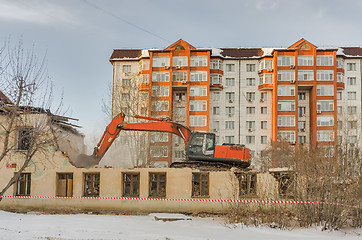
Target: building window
{"points": [[23, 185], [264, 110], [351, 67], [339, 95], [302, 111], [157, 185], [340, 77], [263, 96], [301, 125], [325, 106], [302, 139], [231, 110], [126, 68], [198, 61], [247, 184], [159, 91], [158, 151], [230, 67], [352, 139], [352, 95], [339, 110], [325, 75], [250, 110], [198, 105], [157, 137], [157, 106], [230, 82], [216, 110], [179, 153], [264, 124], [160, 76], [286, 120], [216, 64], [286, 75], [285, 90], [285, 183], [216, 96], [285, 60], [250, 67], [215, 79], [216, 125], [325, 135], [250, 139], [126, 82], [352, 109], [351, 81], [160, 62], [305, 75], [229, 139], [250, 96], [301, 95], [198, 76], [250, 125], [230, 97], [25, 138], [229, 125], [197, 121], [250, 82], [324, 60], [286, 105], [131, 182], [339, 125], [305, 60], [288, 136], [200, 184], [91, 184], [325, 121], [145, 64], [264, 139], [145, 78], [179, 76], [65, 185], [352, 124], [179, 61], [325, 90], [340, 62]]}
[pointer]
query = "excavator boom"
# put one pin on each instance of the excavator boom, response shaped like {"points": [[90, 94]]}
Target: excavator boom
{"points": [[158, 125], [200, 146]]}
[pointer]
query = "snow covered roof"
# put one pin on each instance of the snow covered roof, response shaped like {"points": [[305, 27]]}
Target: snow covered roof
{"points": [[229, 53]]}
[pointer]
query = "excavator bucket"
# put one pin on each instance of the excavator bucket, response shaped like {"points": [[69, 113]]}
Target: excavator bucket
{"points": [[85, 161]]}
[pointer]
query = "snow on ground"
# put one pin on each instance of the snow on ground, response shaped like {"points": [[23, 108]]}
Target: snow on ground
{"points": [[83, 226]]}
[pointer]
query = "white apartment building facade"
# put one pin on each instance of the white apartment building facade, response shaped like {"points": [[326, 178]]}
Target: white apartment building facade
{"points": [[303, 94]]}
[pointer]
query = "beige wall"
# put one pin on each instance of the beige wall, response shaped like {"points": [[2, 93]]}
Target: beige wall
{"points": [[222, 185]]}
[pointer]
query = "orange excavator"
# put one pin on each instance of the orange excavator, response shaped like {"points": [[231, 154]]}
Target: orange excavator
{"points": [[200, 146]]}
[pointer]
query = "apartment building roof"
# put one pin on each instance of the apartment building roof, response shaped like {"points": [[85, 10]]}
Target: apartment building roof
{"points": [[228, 53], [351, 52]]}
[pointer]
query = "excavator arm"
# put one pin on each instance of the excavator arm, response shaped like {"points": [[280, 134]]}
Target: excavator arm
{"points": [[157, 125]]}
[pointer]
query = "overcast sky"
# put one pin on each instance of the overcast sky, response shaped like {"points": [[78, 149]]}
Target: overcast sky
{"points": [[80, 35]]}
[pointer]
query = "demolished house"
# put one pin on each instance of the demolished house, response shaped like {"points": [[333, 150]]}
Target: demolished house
{"points": [[51, 183]]}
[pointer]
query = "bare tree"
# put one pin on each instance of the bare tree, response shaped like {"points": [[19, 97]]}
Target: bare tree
{"points": [[127, 98], [25, 123]]}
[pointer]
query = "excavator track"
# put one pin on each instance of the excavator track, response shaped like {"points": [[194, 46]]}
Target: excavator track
{"points": [[203, 166]]}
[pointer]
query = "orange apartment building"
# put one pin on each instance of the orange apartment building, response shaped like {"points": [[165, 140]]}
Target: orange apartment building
{"points": [[302, 94]]}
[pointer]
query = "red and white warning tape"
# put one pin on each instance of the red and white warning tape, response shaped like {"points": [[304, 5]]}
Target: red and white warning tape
{"points": [[188, 200]]}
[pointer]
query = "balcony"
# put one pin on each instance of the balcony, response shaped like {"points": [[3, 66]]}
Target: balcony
{"points": [[340, 85], [143, 86], [216, 86]]}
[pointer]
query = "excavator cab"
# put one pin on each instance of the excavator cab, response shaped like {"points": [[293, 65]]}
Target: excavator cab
{"points": [[201, 146]]}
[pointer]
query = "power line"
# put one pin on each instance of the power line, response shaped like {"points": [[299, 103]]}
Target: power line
{"points": [[123, 20]]}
